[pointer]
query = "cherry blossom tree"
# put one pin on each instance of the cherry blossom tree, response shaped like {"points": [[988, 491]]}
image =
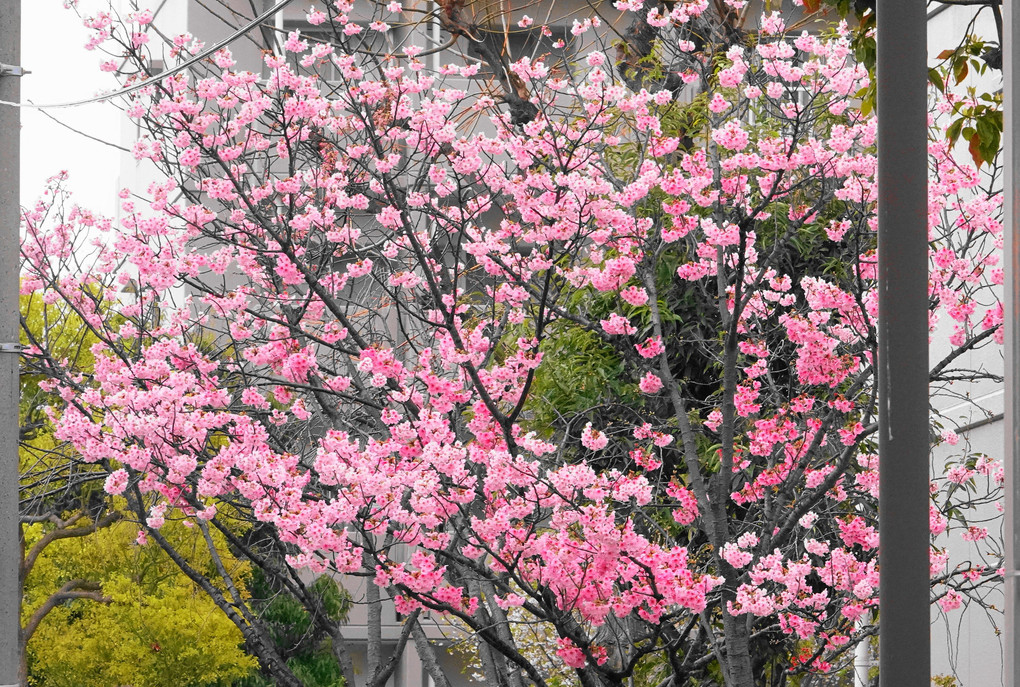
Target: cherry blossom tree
{"points": [[586, 344]]}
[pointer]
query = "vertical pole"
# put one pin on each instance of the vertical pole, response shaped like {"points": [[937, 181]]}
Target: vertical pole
{"points": [[1011, 298], [10, 203], [901, 81]]}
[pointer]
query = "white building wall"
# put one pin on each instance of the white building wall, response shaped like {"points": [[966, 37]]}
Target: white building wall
{"points": [[966, 642]]}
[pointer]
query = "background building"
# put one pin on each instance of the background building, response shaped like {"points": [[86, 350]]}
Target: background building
{"points": [[966, 643]]}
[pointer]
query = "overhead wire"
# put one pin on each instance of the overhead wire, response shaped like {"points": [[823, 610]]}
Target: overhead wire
{"points": [[198, 57]]}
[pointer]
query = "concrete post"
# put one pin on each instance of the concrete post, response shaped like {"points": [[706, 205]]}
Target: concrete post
{"points": [[901, 80], [10, 162]]}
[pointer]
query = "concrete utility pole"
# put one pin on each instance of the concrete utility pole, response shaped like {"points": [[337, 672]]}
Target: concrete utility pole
{"points": [[1011, 414], [901, 80], [10, 161]]}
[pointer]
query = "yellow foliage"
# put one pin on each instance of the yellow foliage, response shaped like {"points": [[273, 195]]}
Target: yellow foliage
{"points": [[158, 630]]}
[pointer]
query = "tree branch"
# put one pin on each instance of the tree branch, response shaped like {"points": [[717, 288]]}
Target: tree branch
{"points": [[75, 589]]}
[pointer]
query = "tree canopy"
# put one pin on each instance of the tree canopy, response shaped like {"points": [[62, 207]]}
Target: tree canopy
{"points": [[578, 338]]}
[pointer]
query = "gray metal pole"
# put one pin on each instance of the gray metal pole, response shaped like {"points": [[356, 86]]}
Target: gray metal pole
{"points": [[1011, 456], [901, 80], [10, 160]]}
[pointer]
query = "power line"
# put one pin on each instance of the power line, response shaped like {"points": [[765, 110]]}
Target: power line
{"points": [[169, 72]]}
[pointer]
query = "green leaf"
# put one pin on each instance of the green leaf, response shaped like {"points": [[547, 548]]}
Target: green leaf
{"points": [[990, 146], [960, 71], [953, 132], [986, 127]]}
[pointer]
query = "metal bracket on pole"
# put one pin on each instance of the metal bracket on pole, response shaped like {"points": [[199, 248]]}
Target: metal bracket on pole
{"points": [[12, 70], [15, 348]]}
